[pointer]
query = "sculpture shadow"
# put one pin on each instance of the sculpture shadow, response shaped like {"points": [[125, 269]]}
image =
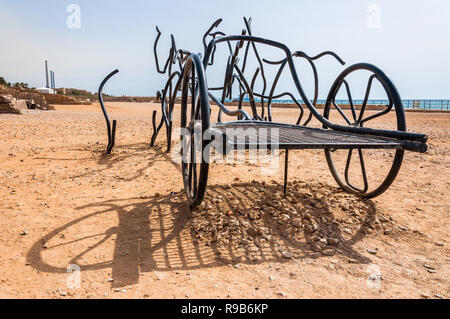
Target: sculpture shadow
{"points": [[146, 234]]}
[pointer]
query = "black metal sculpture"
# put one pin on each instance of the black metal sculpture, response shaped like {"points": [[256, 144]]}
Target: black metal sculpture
{"points": [[196, 99], [111, 129]]}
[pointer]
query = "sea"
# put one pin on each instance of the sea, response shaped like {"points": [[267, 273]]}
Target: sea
{"points": [[408, 104]]}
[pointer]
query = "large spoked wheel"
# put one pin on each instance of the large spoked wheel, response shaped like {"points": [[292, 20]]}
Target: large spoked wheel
{"points": [[195, 121], [362, 178]]}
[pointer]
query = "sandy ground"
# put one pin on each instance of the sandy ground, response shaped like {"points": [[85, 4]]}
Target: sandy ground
{"points": [[122, 220]]}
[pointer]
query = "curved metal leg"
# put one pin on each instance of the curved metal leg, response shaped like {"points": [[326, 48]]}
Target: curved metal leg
{"points": [[156, 128], [111, 130]]}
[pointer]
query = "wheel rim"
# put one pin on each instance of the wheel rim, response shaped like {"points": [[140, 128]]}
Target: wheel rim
{"points": [[194, 123], [368, 187]]}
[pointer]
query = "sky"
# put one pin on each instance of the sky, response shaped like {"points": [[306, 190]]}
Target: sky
{"points": [[408, 39]]}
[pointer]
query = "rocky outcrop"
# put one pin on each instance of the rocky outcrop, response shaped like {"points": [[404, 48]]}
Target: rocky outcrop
{"points": [[61, 99], [6, 105], [41, 101]]}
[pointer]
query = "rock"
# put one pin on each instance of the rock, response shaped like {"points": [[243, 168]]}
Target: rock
{"points": [[318, 205], [329, 252], [439, 296], [429, 267], [285, 233], [252, 232], [63, 293], [237, 266], [432, 271], [287, 254], [308, 229], [438, 243], [333, 241], [387, 231], [425, 295], [271, 278], [110, 280], [348, 231], [257, 243], [24, 233], [253, 249], [372, 251], [297, 223], [253, 216], [281, 294]]}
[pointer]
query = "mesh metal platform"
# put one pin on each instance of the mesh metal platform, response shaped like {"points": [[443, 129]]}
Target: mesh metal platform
{"points": [[256, 134]]}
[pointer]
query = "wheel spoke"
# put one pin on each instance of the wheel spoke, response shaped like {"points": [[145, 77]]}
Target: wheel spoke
{"points": [[366, 98], [338, 108], [347, 166], [349, 95], [363, 171], [342, 113], [387, 110]]}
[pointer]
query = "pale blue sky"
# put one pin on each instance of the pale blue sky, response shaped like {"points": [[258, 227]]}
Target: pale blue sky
{"points": [[412, 45]]}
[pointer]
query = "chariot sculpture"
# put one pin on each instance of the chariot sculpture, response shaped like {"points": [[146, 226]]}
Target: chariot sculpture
{"points": [[187, 84]]}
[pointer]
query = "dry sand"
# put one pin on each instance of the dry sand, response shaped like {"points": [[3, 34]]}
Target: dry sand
{"points": [[122, 218]]}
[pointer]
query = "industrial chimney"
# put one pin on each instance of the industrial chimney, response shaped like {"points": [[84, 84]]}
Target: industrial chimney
{"points": [[51, 79], [46, 75]]}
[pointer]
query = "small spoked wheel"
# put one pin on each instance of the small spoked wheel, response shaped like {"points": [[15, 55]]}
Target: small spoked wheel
{"points": [[365, 172], [195, 121]]}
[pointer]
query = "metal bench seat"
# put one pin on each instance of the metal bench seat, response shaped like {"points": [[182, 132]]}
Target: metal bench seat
{"points": [[256, 134]]}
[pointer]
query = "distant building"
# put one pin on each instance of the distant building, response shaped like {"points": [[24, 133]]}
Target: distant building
{"points": [[46, 90], [71, 91]]}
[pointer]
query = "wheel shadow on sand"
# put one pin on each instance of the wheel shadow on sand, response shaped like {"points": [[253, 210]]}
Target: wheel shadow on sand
{"points": [[129, 237]]}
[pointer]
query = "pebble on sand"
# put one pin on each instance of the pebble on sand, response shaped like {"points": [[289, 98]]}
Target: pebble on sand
{"points": [[288, 254]]}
